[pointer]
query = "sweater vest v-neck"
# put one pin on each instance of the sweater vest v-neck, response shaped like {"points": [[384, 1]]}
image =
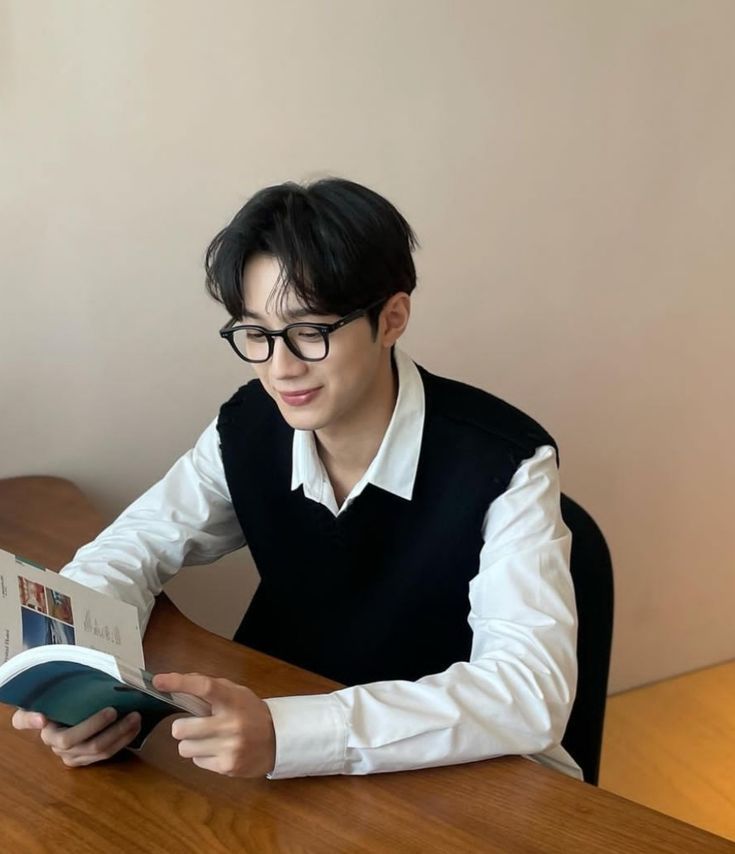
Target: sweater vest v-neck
{"points": [[380, 591]]}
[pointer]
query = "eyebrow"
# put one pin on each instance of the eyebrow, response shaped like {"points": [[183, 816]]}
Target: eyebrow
{"points": [[295, 314]]}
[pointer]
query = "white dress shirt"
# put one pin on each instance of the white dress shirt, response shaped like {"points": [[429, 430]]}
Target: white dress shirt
{"points": [[515, 693]]}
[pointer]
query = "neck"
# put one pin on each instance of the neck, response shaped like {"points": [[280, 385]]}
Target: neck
{"points": [[347, 449]]}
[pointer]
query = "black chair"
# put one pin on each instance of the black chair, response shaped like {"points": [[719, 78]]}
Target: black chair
{"points": [[592, 575]]}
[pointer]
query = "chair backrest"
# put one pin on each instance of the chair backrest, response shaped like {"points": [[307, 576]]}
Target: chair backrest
{"points": [[592, 575]]}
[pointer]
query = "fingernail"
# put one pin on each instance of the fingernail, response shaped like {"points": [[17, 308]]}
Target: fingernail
{"points": [[110, 714], [39, 720], [134, 718]]}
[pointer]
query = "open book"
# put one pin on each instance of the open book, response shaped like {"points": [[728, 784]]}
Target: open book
{"points": [[68, 651]]}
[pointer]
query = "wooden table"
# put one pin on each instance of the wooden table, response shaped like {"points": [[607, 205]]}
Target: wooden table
{"points": [[157, 802]]}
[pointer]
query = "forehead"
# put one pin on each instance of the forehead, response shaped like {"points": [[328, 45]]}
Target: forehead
{"points": [[267, 301], [261, 275], [264, 297]]}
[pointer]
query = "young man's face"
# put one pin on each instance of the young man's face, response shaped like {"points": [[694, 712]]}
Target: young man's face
{"points": [[329, 394]]}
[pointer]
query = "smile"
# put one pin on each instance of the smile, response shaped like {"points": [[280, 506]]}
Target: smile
{"points": [[299, 398]]}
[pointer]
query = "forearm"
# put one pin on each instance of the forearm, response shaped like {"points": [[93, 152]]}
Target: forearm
{"points": [[505, 704], [186, 518], [126, 563], [515, 693]]}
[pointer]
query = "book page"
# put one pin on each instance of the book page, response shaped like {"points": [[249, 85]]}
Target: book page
{"points": [[40, 607]]}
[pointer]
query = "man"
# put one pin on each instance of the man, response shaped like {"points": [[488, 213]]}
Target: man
{"points": [[406, 527]]}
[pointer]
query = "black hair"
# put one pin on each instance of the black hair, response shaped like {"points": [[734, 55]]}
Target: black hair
{"points": [[341, 246]]}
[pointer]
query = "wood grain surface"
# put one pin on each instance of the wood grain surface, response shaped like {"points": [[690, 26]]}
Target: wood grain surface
{"points": [[157, 802], [671, 746]]}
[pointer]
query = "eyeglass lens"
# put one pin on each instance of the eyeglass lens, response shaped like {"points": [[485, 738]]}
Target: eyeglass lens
{"points": [[307, 342]]}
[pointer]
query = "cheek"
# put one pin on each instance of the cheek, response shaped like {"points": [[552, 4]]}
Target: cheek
{"points": [[261, 373], [355, 377]]}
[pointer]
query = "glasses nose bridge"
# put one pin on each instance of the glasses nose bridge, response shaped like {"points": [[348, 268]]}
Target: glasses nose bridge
{"points": [[286, 349]]}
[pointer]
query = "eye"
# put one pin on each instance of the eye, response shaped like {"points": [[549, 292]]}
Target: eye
{"points": [[309, 335], [254, 335]]}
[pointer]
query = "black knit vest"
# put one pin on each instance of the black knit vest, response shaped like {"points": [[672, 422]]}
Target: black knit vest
{"points": [[380, 591]]}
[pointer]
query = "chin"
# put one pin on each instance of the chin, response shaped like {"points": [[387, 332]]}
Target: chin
{"points": [[302, 420]]}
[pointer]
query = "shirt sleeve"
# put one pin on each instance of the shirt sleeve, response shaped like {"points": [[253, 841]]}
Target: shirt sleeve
{"points": [[185, 519], [515, 693]]}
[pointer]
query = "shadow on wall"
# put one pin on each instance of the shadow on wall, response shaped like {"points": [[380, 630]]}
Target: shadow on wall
{"points": [[216, 596]]}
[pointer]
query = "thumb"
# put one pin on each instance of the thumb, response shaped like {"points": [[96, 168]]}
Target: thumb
{"points": [[23, 719]]}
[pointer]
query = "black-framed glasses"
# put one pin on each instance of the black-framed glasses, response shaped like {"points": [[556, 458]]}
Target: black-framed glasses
{"points": [[307, 341]]}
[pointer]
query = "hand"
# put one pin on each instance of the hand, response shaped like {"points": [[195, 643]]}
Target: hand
{"points": [[237, 739], [92, 740]]}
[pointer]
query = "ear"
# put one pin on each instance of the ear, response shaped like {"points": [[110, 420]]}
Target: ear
{"points": [[394, 319]]}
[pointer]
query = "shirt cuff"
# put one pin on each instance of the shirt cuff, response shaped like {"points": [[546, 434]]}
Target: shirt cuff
{"points": [[311, 736]]}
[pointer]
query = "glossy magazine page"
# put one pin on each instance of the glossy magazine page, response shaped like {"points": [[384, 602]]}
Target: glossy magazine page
{"points": [[39, 607]]}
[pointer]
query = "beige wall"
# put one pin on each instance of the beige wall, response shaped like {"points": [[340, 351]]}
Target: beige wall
{"points": [[568, 166]]}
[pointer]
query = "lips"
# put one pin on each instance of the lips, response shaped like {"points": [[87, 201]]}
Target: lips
{"points": [[299, 398]]}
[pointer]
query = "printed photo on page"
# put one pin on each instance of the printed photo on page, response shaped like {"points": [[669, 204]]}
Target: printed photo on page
{"points": [[39, 607]]}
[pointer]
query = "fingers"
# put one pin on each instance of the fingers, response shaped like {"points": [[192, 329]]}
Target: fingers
{"points": [[97, 738], [23, 719], [191, 727], [67, 737], [201, 747], [196, 684], [211, 756], [93, 740], [103, 745]]}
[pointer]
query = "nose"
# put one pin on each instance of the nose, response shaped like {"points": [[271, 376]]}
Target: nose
{"points": [[284, 365]]}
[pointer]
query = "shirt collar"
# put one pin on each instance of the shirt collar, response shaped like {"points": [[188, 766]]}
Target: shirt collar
{"points": [[394, 466]]}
